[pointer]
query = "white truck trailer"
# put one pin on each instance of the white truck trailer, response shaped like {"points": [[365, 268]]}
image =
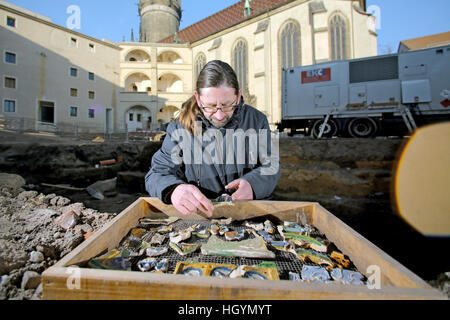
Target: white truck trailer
{"points": [[375, 96]]}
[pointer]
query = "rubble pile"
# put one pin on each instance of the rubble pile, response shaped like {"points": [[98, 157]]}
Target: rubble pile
{"points": [[36, 231]]}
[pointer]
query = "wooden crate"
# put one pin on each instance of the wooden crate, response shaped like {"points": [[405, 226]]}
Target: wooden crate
{"points": [[59, 281]]}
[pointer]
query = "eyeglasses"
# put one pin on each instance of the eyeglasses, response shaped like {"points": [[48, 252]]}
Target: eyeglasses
{"points": [[226, 108]]}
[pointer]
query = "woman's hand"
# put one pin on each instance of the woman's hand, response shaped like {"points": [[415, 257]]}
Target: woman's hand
{"points": [[244, 190], [187, 199]]}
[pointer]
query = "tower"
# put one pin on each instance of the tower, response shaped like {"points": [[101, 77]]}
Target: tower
{"points": [[159, 19]]}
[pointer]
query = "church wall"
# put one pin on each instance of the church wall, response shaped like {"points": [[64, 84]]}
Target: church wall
{"points": [[300, 16], [224, 52], [365, 39], [264, 53]]}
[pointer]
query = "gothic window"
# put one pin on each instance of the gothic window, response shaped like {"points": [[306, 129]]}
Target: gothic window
{"points": [[339, 41], [240, 63], [290, 46], [199, 64]]}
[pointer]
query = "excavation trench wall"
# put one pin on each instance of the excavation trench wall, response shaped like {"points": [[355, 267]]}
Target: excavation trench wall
{"points": [[351, 178], [346, 176]]}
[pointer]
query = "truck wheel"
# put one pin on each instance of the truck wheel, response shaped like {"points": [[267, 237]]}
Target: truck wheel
{"points": [[331, 129], [362, 128]]}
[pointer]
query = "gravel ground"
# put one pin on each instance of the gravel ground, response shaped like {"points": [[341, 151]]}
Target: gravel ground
{"points": [[33, 237]]}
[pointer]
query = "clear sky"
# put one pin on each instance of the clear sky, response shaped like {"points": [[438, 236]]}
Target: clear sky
{"points": [[114, 19]]}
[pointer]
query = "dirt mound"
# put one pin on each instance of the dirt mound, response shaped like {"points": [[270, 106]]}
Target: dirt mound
{"points": [[32, 237]]}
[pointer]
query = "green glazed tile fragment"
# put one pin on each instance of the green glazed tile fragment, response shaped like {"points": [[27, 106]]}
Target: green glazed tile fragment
{"points": [[251, 248]]}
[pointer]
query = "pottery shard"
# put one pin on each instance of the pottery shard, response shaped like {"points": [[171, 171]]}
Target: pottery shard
{"points": [[76, 207], [88, 234], [67, 220], [84, 228]]}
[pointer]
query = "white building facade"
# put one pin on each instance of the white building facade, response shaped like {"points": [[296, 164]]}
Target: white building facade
{"points": [[53, 77]]}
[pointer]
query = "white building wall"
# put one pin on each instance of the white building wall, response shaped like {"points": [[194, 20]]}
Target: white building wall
{"points": [[45, 55]]}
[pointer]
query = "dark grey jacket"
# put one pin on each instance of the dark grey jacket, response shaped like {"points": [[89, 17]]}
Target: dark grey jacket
{"points": [[215, 161]]}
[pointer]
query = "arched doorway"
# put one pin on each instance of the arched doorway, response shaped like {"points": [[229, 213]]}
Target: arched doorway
{"points": [[167, 114], [138, 118]]}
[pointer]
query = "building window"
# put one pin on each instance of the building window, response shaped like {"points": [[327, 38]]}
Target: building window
{"points": [[339, 41], [91, 76], [91, 95], [10, 83], [73, 42], [9, 106], [73, 92], [91, 47], [131, 116], [139, 118], [240, 63], [290, 48], [11, 22], [10, 57], [74, 72], [199, 64], [74, 112], [91, 114]]}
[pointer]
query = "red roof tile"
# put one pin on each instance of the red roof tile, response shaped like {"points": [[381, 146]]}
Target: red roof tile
{"points": [[428, 41], [223, 19]]}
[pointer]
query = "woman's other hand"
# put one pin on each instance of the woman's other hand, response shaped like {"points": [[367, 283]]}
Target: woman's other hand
{"points": [[244, 190]]}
